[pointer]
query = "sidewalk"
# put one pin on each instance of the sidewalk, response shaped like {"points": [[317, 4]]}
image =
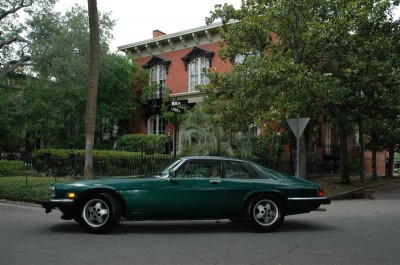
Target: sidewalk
{"points": [[335, 190]]}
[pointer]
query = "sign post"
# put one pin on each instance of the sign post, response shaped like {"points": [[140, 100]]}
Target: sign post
{"points": [[175, 107], [297, 126]]}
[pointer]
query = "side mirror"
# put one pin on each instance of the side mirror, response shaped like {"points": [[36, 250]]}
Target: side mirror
{"points": [[171, 176]]}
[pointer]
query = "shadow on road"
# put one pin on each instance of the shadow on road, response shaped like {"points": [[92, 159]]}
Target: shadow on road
{"points": [[193, 227]]}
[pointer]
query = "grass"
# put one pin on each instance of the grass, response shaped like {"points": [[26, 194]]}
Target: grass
{"points": [[26, 189], [35, 189]]}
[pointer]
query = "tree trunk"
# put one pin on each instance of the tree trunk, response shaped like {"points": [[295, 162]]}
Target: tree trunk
{"points": [[390, 162], [303, 157], [361, 165], [91, 96], [344, 158], [374, 173]]}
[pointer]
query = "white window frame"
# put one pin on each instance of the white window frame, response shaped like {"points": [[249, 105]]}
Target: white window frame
{"points": [[156, 124], [196, 74], [158, 76]]}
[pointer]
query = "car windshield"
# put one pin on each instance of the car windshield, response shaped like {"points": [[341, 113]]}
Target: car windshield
{"points": [[165, 171], [269, 173]]}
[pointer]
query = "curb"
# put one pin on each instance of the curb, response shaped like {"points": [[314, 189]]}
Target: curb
{"points": [[345, 194], [21, 203]]}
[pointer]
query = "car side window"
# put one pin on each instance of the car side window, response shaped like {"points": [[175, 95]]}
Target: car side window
{"points": [[236, 170], [200, 169]]}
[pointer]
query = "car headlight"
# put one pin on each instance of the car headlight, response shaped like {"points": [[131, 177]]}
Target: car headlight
{"points": [[52, 192]]}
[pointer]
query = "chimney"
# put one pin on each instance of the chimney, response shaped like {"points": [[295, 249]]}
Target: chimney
{"points": [[157, 33]]}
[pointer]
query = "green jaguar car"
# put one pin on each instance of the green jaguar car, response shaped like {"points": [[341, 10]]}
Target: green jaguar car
{"points": [[189, 188]]}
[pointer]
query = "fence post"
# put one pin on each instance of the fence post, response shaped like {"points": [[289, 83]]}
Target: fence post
{"points": [[47, 157], [71, 156]]}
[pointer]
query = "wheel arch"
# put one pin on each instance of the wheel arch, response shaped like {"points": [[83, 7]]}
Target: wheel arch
{"points": [[275, 194], [108, 191]]}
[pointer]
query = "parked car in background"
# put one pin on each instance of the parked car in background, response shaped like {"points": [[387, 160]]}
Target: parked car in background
{"points": [[189, 188]]}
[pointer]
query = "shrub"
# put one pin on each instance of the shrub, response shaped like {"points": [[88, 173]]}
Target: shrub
{"points": [[105, 163], [8, 168], [138, 142], [28, 189]]}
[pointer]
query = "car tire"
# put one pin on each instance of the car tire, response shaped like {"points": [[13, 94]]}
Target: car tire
{"points": [[99, 213], [264, 213]]}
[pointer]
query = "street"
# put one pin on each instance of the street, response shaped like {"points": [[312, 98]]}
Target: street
{"points": [[349, 232]]}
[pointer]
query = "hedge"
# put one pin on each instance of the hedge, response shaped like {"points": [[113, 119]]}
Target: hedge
{"points": [[8, 167], [139, 142], [105, 163], [28, 189]]}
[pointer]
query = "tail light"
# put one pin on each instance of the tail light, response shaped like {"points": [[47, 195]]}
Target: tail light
{"points": [[321, 193]]}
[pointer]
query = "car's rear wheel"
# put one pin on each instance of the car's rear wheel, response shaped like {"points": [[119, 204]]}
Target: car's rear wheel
{"points": [[264, 213], [100, 213]]}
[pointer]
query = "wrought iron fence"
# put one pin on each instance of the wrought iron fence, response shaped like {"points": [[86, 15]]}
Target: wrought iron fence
{"points": [[149, 164], [102, 166], [105, 166], [314, 167]]}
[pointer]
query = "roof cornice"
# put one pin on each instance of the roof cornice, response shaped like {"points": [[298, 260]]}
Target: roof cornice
{"points": [[170, 41]]}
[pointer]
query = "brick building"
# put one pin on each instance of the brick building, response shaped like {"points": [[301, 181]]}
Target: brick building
{"points": [[176, 60]]}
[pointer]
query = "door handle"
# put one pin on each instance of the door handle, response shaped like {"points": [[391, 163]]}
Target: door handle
{"points": [[215, 181]]}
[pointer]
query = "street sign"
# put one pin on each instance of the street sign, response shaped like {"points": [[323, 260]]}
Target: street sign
{"points": [[298, 125], [175, 109], [178, 102]]}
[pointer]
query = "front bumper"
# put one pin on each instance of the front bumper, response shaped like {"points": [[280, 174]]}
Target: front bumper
{"points": [[65, 205]]}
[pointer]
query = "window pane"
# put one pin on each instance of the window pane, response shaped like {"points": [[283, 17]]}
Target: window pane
{"points": [[236, 170], [200, 169]]}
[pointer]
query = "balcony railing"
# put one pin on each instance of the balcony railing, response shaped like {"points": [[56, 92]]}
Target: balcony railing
{"points": [[332, 150], [158, 93]]}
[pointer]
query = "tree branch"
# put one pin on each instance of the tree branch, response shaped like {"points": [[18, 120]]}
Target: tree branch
{"points": [[12, 65], [17, 38], [22, 4]]}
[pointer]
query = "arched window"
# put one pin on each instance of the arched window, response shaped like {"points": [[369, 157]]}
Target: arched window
{"points": [[158, 76], [156, 125], [197, 75]]}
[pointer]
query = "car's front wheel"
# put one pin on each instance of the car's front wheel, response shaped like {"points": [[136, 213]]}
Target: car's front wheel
{"points": [[264, 213], [100, 213]]}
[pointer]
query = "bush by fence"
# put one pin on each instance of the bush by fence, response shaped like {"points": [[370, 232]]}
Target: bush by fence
{"points": [[105, 163], [140, 142], [9, 167]]}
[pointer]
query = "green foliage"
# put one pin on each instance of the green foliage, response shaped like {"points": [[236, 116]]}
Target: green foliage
{"points": [[338, 59], [50, 106], [28, 189], [201, 134], [65, 153], [139, 142], [115, 101], [8, 168], [14, 47]]}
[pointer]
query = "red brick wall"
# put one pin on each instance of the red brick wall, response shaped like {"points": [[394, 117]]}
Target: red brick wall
{"points": [[177, 77]]}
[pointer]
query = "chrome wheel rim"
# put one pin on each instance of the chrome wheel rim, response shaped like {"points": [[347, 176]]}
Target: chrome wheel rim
{"points": [[95, 213], [265, 212]]}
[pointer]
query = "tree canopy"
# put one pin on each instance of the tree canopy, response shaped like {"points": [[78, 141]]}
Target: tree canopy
{"points": [[14, 45], [51, 95], [338, 59]]}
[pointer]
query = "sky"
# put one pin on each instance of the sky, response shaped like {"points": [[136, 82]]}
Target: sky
{"points": [[136, 19]]}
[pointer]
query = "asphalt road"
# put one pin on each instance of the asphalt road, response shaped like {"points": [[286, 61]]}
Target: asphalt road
{"points": [[350, 232]]}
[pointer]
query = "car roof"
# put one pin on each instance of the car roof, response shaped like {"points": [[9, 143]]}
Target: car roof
{"points": [[212, 158]]}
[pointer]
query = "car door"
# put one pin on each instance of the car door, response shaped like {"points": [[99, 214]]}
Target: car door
{"points": [[239, 181], [196, 191]]}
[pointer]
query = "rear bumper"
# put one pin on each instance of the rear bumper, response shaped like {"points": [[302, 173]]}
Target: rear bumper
{"points": [[305, 205], [312, 200], [65, 205]]}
